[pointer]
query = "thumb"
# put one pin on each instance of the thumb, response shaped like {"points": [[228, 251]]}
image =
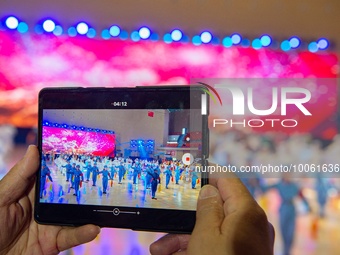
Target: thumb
{"points": [[210, 213], [16, 182]]}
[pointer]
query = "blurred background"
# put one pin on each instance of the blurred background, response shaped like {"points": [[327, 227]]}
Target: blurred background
{"points": [[129, 43]]}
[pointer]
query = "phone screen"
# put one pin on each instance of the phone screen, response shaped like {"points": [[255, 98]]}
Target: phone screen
{"points": [[137, 149]]}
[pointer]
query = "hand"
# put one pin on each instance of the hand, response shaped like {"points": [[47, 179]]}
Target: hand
{"points": [[19, 233], [228, 222]]}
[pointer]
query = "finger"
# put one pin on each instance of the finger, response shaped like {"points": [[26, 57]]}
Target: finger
{"points": [[70, 237], [20, 177], [209, 214], [169, 244], [234, 194]]}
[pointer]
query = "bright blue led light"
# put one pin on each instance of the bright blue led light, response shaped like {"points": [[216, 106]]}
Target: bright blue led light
{"points": [[154, 37], [185, 39], [114, 30], [58, 30], [48, 25], [124, 35], [22, 27], [236, 39], [144, 32], [227, 42], [135, 36], [167, 38], [285, 45], [323, 43], [245, 42], [12, 22], [91, 33], [294, 42], [206, 37], [38, 29], [82, 28], [72, 31], [313, 47], [266, 40], [256, 44], [106, 34], [196, 40], [176, 35]]}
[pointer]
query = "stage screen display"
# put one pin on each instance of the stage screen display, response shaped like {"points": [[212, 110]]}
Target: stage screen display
{"points": [[30, 62], [70, 140]]}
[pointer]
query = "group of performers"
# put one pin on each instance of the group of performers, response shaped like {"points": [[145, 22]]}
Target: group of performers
{"points": [[84, 168]]}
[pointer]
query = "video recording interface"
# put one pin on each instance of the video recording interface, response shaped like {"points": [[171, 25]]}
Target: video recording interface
{"points": [[121, 157]]}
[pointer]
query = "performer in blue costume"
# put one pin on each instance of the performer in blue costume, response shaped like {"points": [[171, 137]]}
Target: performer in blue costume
{"points": [[168, 175], [68, 171], [194, 177], [45, 172], [177, 174], [136, 170], [121, 172], [88, 170], [321, 187], [154, 182], [73, 170], [148, 177], [78, 178], [106, 175], [288, 190], [95, 172]]}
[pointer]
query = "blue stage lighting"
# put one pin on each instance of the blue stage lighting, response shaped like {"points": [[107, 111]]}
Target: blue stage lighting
{"points": [[266, 40], [38, 29], [285, 45], [236, 39], [123, 35], [256, 44], [154, 37], [72, 31], [106, 34], [22, 27], [245, 42], [135, 36], [294, 42], [176, 35], [12, 22], [185, 39], [91, 33], [58, 30], [206, 37], [167, 38], [323, 43], [227, 42], [114, 30], [144, 32], [82, 28], [196, 40], [313, 47], [48, 25]]}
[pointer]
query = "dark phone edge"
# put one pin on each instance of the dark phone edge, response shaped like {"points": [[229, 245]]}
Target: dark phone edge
{"points": [[204, 179]]}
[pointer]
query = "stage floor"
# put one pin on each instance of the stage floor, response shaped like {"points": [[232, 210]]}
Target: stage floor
{"points": [[177, 196]]}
